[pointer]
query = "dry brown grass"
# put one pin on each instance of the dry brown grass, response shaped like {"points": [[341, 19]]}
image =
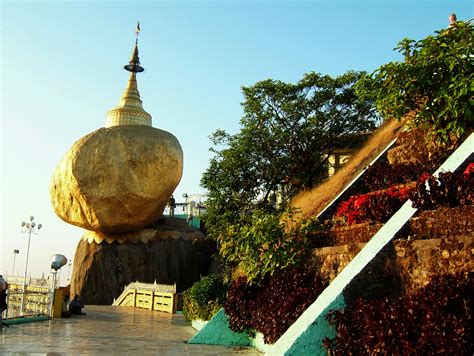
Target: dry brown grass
{"points": [[312, 202]]}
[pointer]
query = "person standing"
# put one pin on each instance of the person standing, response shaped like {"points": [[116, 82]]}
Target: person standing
{"points": [[190, 216], [65, 313], [172, 205], [3, 297]]}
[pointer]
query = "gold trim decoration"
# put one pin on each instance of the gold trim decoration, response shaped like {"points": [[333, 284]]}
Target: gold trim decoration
{"points": [[143, 236]]}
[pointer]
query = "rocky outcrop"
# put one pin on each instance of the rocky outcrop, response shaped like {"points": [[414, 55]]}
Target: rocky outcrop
{"points": [[168, 253], [117, 179]]}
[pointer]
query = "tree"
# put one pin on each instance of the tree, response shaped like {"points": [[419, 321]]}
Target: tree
{"points": [[435, 81], [287, 132]]}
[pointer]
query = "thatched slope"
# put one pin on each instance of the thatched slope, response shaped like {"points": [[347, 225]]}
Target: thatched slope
{"points": [[312, 202]]}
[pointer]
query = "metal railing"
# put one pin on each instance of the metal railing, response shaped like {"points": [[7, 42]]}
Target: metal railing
{"points": [[37, 302]]}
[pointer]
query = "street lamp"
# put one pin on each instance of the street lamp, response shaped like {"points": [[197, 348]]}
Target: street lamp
{"points": [[69, 271], [15, 252], [30, 228], [57, 261], [186, 196]]}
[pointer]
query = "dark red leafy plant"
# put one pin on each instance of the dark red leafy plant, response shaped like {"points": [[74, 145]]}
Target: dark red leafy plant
{"points": [[449, 190], [382, 175], [437, 319], [239, 304], [272, 307]]}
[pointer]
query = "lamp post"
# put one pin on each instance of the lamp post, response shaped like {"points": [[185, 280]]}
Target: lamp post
{"points": [[186, 196], [69, 271], [28, 227], [15, 252], [57, 261]]}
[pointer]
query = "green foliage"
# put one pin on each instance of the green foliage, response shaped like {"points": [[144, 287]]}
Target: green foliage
{"points": [[287, 132], [436, 81], [204, 298], [265, 243]]}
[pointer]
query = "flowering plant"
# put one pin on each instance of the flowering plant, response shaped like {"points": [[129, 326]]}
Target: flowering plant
{"points": [[372, 207], [449, 189]]}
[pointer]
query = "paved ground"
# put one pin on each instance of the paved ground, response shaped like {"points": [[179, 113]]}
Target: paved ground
{"points": [[108, 330]]}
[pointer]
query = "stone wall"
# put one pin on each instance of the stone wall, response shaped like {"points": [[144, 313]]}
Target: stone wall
{"points": [[433, 242], [359, 232], [432, 224], [443, 222], [403, 265]]}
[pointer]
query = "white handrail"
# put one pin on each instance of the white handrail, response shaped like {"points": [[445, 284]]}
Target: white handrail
{"points": [[156, 287]]}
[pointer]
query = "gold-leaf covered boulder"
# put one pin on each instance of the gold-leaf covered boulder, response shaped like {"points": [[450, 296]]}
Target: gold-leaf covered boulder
{"points": [[117, 179]]}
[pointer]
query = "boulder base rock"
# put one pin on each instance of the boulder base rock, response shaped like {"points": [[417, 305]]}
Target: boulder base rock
{"points": [[117, 179], [173, 253]]}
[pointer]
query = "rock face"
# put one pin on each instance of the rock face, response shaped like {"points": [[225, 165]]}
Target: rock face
{"points": [[117, 179], [173, 252]]}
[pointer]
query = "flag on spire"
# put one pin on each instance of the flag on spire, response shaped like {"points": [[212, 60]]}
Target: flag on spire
{"points": [[137, 31]]}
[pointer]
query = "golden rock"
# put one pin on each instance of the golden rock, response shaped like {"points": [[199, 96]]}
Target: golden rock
{"points": [[117, 179]]}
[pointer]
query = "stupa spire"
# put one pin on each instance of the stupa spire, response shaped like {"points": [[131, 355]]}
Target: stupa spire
{"points": [[130, 111], [134, 64]]}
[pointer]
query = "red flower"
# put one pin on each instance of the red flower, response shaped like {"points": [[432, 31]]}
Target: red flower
{"points": [[469, 169], [375, 206], [424, 177]]}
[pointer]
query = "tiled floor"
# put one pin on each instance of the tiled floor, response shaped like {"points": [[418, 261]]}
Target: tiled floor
{"points": [[107, 330]]}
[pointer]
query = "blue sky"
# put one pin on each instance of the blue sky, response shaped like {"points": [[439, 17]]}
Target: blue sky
{"points": [[61, 70]]}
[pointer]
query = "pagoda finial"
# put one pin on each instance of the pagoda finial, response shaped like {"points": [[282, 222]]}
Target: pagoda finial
{"points": [[137, 31], [129, 110], [134, 64]]}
